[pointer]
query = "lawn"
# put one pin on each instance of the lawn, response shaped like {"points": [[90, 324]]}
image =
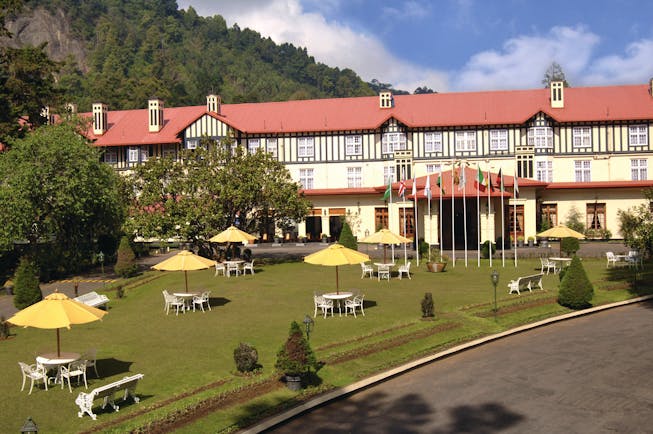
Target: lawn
{"points": [[188, 362]]}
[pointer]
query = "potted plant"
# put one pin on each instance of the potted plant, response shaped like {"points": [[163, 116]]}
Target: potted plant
{"points": [[531, 241], [520, 241], [295, 358], [439, 262]]}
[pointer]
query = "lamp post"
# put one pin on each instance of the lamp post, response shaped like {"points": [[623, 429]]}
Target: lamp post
{"points": [[308, 323], [495, 279], [29, 426], [100, 258]]}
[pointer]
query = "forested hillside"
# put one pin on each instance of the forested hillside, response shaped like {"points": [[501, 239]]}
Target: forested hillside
{"points": [[132, 50]]}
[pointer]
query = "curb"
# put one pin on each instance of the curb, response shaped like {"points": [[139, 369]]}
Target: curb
{"points": [[352, 388]]}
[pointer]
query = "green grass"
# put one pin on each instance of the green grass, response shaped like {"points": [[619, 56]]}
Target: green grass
{"points": [[179, 355]]}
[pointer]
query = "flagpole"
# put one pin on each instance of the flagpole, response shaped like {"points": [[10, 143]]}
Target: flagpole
{"points": [[478, 215], [464, 184], [392, 248], [489, 210], [427, 192], [416, 220], [503, 221], [515, 191], [453, 217], [440, 215]]}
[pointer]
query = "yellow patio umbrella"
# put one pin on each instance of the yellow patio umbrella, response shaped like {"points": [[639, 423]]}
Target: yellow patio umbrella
{"points": [[335, 255], [561, 231], [184, 261], [385, 237], [232, 235], [55, 311]]}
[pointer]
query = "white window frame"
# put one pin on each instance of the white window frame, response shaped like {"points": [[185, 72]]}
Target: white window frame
{"points": [[144, 155], [305, 147], [433, 168], [388, 174], [639, 169], [253, 145], [391, 142], [354, 145], [192, 143], [168, 151], [111, 156], [465, 140], [544, 170], [132, 154], [307, 178], [271, 147], [499, 140], [581, 137], [582, 170], [540, 137], [354, 177], [433, 141], [637, 135]]}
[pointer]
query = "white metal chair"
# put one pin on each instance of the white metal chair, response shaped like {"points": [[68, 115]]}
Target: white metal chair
{"points": [[201, 300], [232, 268], [367, 269], [612, 259], [176, 302], [383, 272], [634, 259], [548, 265], [34, 373], [353, 303], [405, 269], [248, 266], [322, 303], [90, 357], [220, 268], [74, 369]]}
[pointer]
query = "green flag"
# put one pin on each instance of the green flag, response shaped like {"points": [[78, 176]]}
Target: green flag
{"points": [[388, 191], [439, 183]]}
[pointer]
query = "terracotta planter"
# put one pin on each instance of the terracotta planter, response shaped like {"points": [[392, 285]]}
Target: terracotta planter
{"points": [[293, 382], [436, 267]]}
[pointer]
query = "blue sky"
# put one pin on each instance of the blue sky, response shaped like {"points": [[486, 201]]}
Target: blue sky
{"points": [[459, 45]]}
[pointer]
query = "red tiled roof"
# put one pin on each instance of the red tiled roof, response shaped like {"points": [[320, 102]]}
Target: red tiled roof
{"points": [[582, 104], [599, 184]]}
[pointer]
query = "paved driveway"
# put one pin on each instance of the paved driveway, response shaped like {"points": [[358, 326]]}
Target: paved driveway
{"points": [[592, 374]]}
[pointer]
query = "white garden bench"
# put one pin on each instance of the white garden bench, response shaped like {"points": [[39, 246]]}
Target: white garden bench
{"points": [[93, 299], [127, 384], [524, 283]]}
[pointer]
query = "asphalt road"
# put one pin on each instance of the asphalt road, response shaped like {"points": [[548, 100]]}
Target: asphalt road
{"points": [[591, 374]]}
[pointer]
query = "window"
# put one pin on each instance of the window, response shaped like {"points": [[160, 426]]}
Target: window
{"points": [[595, 215], [393, 142], [253, 145], [169, 151], [111, 156], [540, 137], [465, 140], [305, 147], [306, 178], [433, 168], [549, 213], [192, 143], [433, 142], [498, 140], [525, 165], [582, 137], [638, 168], [388, 175], [381, 218], [271, 147], [582, 170], [144, 155], [544, 171], [516, 218], [638, 135], [132, 154], [354, 145], [354, 177]]}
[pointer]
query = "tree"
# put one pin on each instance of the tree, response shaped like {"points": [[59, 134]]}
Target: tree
{"points": [[347, 238], [554, 73], [576, 290], [295, 357], [636, 225], [423, 89], [574, 220], [126, 261], [56, 194], [26, 284]]}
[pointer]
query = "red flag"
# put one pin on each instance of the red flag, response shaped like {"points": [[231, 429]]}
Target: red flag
{"points": [[402, 188]]}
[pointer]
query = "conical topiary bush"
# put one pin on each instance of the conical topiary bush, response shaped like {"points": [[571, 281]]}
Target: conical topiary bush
{"points": [[576, 290]]}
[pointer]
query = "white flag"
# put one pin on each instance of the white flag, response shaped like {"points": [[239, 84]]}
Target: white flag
{"points": [[427, 187]]}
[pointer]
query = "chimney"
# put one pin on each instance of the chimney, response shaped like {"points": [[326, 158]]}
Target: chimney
{"points": [[650, 87], [213, 103], [155, 115], [557, 94], [49, 118], [71, 108], [386, 100], [100, 122]]}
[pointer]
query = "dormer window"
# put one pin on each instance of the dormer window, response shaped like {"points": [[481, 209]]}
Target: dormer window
{"points": [[386, 100], [99, 118], [155, 115], [557, 94]]}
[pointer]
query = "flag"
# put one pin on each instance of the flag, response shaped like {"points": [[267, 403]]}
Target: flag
{"points": [[480, 179], [489, 181], [427, 187], [402, 188], [516, 188], [439, 184], [388, 191], [414, 192], [463, 179], [500, 180]]}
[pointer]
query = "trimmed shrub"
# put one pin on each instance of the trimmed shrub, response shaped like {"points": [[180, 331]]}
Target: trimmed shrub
{"points": [[126, 262], [26, 285], [347, 238], [485, 249], [576, 290], [569, 245], [4, 328], [246, 358], [295, 358], [427, 306]]}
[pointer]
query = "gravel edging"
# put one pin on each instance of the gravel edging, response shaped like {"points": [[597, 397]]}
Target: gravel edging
{"points": [[352, 388]]}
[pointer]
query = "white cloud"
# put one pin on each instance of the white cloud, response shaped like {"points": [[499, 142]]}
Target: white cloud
{"points": [[635, 67], [408, 10], [523, 60]]}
